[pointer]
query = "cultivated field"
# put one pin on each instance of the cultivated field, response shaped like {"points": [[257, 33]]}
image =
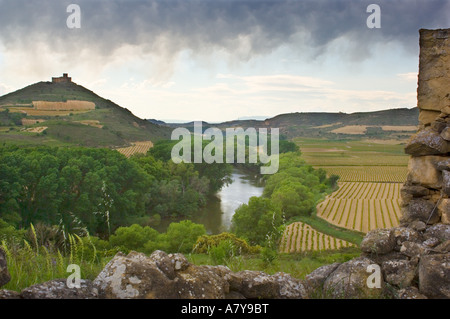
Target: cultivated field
{"points": [[26, 121], [362, 129], [33, 112], [363, 206], [45, 108], [70, 105], [371, 174], [137, 147], [351, 129], [93, 123], [300, 237], [386, 174]]}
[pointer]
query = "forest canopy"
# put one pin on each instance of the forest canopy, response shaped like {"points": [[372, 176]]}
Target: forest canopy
{"points": [[97, 190]]}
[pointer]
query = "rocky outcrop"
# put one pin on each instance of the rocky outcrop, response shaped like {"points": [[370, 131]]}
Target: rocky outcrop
{"points": [[413, 264], [58, 289], [167, 276], [171, 276]]}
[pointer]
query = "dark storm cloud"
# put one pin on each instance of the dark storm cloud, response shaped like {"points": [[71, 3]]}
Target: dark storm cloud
{"points": [[167, 27]]}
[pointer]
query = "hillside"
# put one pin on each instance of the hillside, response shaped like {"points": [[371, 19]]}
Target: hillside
{"points": [[386, 124], [65, 113]]}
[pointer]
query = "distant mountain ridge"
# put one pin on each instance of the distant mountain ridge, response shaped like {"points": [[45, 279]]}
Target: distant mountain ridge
{"points": [[321, 124], [41, 114]]}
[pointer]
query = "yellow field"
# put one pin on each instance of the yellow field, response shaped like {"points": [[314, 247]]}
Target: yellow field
{"points": [[361, 129], [351, 129], [93, 123], [410, 128], [300, 237], [387, 174], [363, 206], [70, 105], [371, 174], [34, 112], [137, 147]]}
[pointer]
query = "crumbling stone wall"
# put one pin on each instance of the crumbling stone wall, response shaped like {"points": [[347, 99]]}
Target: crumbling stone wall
{"points": [[414, 257], [426, 192]]}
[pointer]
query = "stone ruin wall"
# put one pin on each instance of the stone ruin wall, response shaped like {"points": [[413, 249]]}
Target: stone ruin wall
{"points": [[428, 182]]}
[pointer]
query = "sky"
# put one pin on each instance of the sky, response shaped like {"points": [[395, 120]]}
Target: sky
{"points": [[220, 60]]}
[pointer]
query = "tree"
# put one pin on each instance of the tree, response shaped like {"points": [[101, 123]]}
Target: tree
{"points": [[59, 185], [182, 236], [293, 199], [257, 221], [288, 146], [133, 237]]}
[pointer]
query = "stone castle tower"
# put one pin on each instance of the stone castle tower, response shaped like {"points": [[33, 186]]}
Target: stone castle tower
{"points": [[63, 79]]}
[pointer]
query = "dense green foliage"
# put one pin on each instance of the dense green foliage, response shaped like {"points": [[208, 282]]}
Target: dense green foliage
{"points": [[258, 221], [31, 259], [97, 190], [9, 118], [179, 237], [291, 192]]}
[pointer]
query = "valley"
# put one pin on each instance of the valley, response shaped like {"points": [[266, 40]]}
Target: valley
{"points": [[365, 161]]}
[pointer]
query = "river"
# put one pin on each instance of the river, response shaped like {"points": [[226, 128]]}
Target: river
{"points": [[217, 213]]}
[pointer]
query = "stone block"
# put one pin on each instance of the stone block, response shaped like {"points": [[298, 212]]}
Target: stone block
{"points": [[434, 276], [427, 117], [427, 142], [422, 170]]}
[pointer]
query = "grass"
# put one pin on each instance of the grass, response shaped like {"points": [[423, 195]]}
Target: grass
{"points": [[30, 264], [298, 265], [327, 228], [341, 153]]}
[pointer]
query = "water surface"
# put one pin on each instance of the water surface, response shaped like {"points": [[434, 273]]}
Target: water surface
{"points": [[217, 213]]}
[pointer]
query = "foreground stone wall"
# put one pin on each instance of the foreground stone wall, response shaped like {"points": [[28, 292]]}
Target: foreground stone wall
{"points": [[433, 95], [425, 195]]}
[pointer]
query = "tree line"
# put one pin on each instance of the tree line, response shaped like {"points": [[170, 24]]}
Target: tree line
{"points": [[98, 190]]}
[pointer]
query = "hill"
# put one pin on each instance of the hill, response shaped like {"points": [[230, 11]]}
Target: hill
{"points": [[65, 113], [386, 124]]}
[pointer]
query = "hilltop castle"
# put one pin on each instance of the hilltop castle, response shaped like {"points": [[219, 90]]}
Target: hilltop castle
{"points": [[62, 79]]}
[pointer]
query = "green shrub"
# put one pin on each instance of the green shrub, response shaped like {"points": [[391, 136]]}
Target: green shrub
{"points": [[133, 237], [9, 233], [182, 236], [222, 253], [206, 242]]}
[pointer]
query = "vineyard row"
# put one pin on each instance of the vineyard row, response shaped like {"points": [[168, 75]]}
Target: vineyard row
{"points": [[301, 237]]}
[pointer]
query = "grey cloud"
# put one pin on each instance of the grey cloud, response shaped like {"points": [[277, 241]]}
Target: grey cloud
{"points": [[167, 27]]}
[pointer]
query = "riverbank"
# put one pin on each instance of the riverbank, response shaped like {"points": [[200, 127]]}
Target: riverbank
{"points": [[216, 215]]}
